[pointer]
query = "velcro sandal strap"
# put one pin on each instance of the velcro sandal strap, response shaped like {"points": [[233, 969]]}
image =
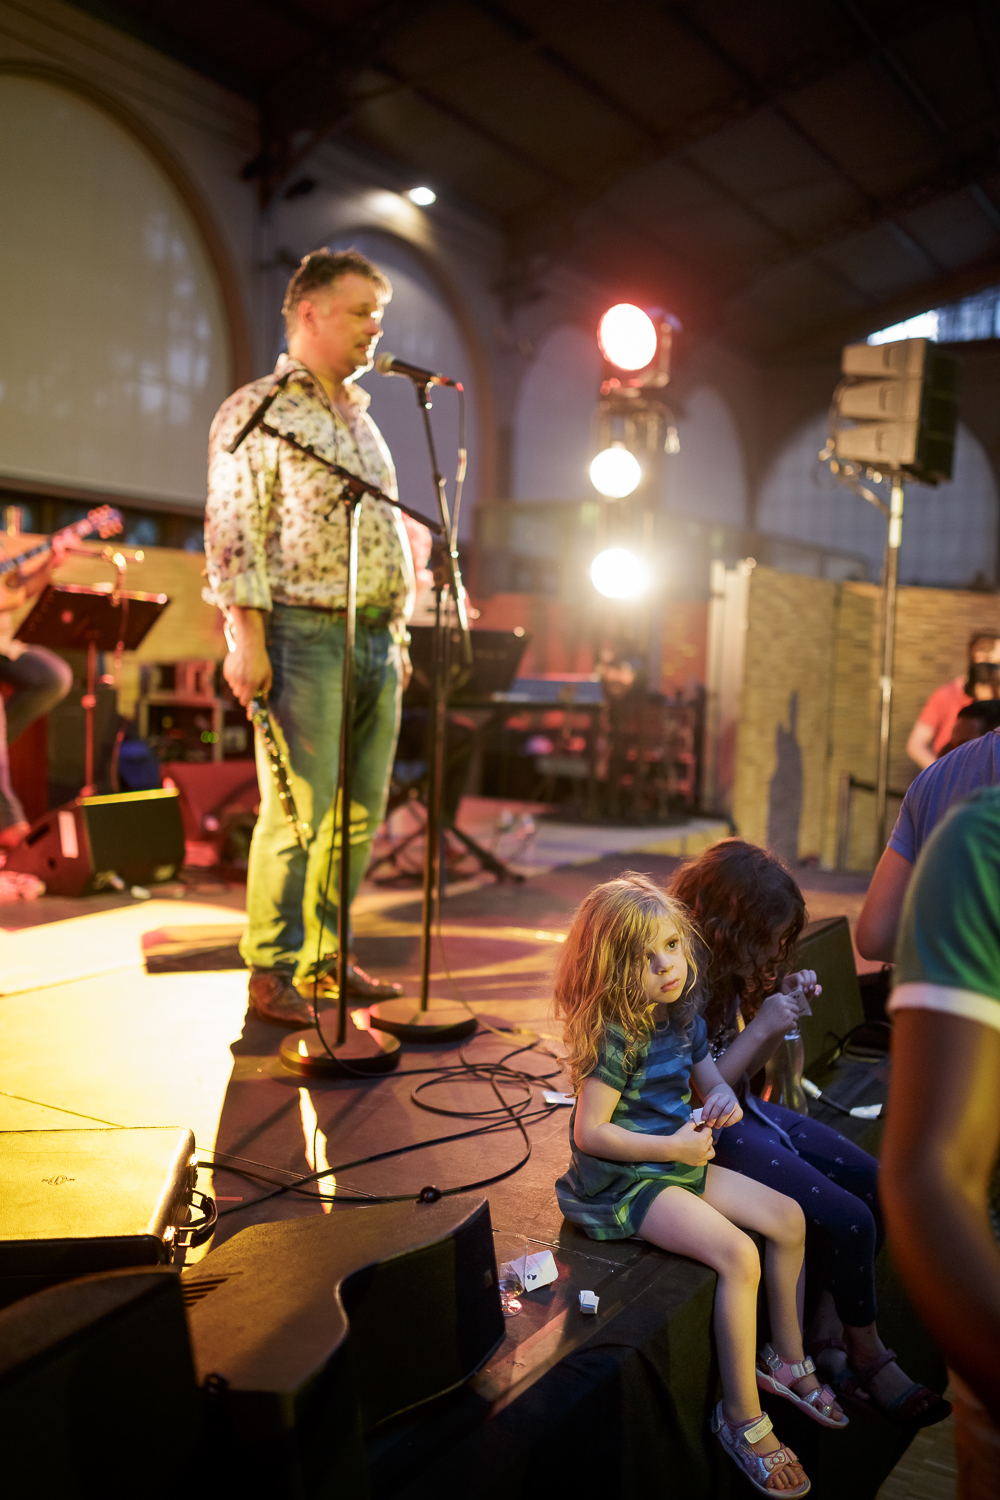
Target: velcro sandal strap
{"points": [[821, 1400], [757, 1430], [776, 1460], [802, 1367]]}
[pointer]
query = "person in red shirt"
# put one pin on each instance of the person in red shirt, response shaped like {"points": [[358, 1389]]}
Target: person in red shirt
{"points": [[936, 719]]}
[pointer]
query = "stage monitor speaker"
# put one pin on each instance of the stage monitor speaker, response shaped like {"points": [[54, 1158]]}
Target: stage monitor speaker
{"points": [[91, 844], [79, 1201], [98, 1395], [826, 947], [317, 1328]]}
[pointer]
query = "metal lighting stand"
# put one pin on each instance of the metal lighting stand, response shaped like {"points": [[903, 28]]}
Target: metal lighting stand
{"points": [[437, 1020], [890, 571]]}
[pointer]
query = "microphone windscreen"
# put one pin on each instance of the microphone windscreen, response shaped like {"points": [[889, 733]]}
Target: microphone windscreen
{"points": [[384, 363]]}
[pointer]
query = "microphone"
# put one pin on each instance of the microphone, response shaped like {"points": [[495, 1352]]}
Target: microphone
{"points": [[391, 364]]}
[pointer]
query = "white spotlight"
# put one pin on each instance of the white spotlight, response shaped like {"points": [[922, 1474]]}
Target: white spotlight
{"points": [[618, 574], [423, 197], [627, 336], [615, 472]]}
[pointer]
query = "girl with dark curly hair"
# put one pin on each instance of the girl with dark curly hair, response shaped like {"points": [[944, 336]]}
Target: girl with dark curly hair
{"points": [[750, 913]]}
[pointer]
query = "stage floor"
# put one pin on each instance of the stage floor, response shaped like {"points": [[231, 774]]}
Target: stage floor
{"points": [[100, 1022]]}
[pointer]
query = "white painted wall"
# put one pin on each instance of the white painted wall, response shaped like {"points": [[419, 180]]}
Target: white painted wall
{"points": [[556, 407], [706, 479]]}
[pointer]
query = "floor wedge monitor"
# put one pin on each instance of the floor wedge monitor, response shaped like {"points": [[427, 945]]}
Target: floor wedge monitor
{"points": [[104, 843]]}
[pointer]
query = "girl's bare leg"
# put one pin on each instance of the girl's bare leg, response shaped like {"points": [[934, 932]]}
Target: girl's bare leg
{"points": [[780, 1220], [688, 1225]]}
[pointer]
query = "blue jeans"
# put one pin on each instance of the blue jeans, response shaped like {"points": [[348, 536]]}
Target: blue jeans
{"points": [[286, 927], [39, 679]]}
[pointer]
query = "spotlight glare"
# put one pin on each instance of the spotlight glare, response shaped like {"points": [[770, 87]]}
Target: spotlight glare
{"points": [[615, 472], [627, 337], [618, 574], [423, 197]]}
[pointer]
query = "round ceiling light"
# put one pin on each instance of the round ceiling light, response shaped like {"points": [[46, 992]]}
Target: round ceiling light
{"points": [[423, 197]]}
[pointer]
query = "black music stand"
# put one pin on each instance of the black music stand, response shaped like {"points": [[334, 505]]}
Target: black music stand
{"points": [[72, 616]]}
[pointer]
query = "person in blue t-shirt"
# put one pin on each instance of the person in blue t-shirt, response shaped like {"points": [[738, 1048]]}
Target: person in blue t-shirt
{"points": [[928, 798], [642, 1165]]}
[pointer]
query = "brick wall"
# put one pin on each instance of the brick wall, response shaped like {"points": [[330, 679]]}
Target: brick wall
{"points": [[791, 627], [821, 640]]}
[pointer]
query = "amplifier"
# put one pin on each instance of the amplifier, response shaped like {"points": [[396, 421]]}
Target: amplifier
{"points": [[77, 1201], [308, 1332], [90, 844], [825, 946]]}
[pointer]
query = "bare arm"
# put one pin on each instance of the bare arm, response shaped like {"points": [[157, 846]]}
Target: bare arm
{"points": [[920, 745], [941, 1141], [721, 1106], [879, 919], [594, 1133], [778, 1014], [247, 668]]}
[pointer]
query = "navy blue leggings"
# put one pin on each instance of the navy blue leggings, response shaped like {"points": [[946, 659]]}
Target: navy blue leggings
{"points": [[834, 1183]]}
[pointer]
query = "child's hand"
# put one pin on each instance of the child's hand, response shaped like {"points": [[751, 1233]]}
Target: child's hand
{"points": [[689, 1145], [803, 987], [721, 1108], [778, 1013]]}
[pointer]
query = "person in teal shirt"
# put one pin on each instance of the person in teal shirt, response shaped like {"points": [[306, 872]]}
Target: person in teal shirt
{"points": [[941, 1153]]}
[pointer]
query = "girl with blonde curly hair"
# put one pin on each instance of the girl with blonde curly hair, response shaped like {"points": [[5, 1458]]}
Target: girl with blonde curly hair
{"points": [[626, 987]]}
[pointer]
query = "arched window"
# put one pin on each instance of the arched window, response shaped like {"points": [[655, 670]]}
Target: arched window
{"points": [[114, 342], [419, 326], [949, 532]]}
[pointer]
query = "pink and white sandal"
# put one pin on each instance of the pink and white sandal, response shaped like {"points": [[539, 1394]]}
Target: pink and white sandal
{"points": [[775, 1375], [736, 1438]]}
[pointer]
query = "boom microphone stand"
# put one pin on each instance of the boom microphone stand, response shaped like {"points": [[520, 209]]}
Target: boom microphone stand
{"points": [[438, 1020]]}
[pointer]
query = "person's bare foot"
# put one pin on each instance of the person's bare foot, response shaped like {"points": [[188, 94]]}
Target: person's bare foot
{"points": [[12, 836]]}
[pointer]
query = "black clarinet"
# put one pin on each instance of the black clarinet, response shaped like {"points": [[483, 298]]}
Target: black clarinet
{"points": [[260, 716]]}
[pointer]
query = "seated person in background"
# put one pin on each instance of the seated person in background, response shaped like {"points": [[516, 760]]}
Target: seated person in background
{"points": [[928, 797], [941, 1170], [936, 719], [39, 679], [973, 720]]}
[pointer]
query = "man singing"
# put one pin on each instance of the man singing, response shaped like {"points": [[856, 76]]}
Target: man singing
{"points": [[276, 547]]}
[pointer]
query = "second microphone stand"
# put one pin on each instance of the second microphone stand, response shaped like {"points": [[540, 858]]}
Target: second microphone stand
{"points": [[430, 1020]]}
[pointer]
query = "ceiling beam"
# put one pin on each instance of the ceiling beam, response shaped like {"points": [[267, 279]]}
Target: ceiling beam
{"points": [[937, 293], [555, 215]]}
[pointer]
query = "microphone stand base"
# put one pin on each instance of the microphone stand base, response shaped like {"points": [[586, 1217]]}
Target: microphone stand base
{"points": [[362, 1054], [442, 1021]]}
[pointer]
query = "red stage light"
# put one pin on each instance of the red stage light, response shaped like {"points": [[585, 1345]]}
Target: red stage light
{"points": [[628, 337]]}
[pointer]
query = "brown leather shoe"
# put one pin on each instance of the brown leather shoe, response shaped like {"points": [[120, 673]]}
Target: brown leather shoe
{"points": [[359, 984], [274, 998]]}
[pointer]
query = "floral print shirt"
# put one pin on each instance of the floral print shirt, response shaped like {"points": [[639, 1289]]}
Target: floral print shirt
{"points": [[267, 536]]}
